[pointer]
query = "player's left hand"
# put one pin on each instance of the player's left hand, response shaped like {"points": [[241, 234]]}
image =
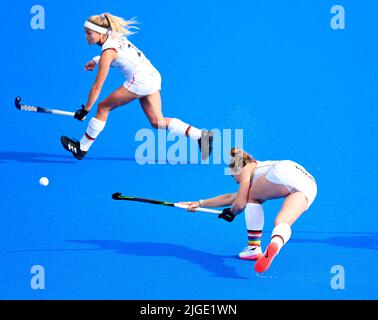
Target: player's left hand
{"points": [[81, 114], [227, 215], [89, 66]]}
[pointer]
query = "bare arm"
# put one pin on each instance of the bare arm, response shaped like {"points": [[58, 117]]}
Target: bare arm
{"points": [[244, 185], [218, 201], [103, 69]]}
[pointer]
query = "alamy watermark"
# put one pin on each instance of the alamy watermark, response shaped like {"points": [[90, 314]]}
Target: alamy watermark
{"points": [[162, 147], [37, 21], [37, 282], [338, 17], [338, 278]]}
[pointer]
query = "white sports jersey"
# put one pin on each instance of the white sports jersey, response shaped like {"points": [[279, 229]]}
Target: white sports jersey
{"points": [[130, 59], [289, 174], [262, 168]]}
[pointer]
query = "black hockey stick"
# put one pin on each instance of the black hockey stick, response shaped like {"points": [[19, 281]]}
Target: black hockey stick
{"points": [[24, 107], [119, 196]]}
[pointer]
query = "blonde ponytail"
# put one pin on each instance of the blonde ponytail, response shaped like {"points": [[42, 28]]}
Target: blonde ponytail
{"points": [[240, 158], [117, 25]]}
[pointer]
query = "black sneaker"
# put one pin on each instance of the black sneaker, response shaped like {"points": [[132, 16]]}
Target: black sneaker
{"points": [[205, 144], [73, 146]]}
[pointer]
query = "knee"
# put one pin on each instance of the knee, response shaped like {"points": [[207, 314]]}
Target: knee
{"points": [[103, 108], [255, 200]]}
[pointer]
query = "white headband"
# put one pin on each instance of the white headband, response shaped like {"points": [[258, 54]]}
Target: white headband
{"points": [[95, 27]]}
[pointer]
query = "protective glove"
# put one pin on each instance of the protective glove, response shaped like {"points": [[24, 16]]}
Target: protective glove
{"points": [[81, 114], [227, 215]]}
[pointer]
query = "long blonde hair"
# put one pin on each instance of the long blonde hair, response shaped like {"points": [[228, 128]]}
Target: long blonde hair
{"points": [[116, 24], [239, 159]]}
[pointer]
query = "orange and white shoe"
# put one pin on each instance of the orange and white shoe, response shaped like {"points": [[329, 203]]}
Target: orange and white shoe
{"points": [[264, 262], [250, 253]]}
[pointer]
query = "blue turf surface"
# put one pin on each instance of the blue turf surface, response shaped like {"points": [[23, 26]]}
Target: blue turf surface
{"points": [[299, 90]]}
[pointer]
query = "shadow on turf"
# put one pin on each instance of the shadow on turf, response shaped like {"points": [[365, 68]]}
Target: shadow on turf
{"points": [[358, 240], [207, 261], [40, 157], [33, 157]]}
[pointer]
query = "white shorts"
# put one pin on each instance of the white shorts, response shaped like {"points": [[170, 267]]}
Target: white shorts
{"points": [[295, 178], [144, 82]]}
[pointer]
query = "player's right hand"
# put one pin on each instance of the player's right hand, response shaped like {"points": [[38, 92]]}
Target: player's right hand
{"points": [[191, 205], [90, 66]]}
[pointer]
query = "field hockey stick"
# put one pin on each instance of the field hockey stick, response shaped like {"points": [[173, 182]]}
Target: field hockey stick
{"points": [[25, 107], [119, 196]]}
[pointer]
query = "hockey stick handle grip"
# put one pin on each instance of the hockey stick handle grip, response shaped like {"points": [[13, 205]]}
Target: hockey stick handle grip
{"points": [[185, 206], [63, 113]]}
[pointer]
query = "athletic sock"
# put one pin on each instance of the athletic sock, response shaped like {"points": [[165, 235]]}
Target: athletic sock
{"points": [[254, 238], [254, 219], [94, 128], [194, 133], [180, 128], [281, 234]]}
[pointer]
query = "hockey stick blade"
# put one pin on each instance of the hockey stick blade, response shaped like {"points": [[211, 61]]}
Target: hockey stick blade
{"points": [[24, 107], [17, 103], [116, 196], [119, 196]]}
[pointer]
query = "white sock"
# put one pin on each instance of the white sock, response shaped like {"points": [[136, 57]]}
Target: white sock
{"points": [[254, 220], [281, 234], [94, 128], [180, 128], [194, 133]]}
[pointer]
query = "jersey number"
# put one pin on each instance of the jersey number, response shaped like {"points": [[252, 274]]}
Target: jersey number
{"points": [[137, 51]]}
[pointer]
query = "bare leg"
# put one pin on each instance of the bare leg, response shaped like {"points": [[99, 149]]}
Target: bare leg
{"points": [[263, 189], [294, 205], [118, 98], [152, 107], [292, 208]]}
